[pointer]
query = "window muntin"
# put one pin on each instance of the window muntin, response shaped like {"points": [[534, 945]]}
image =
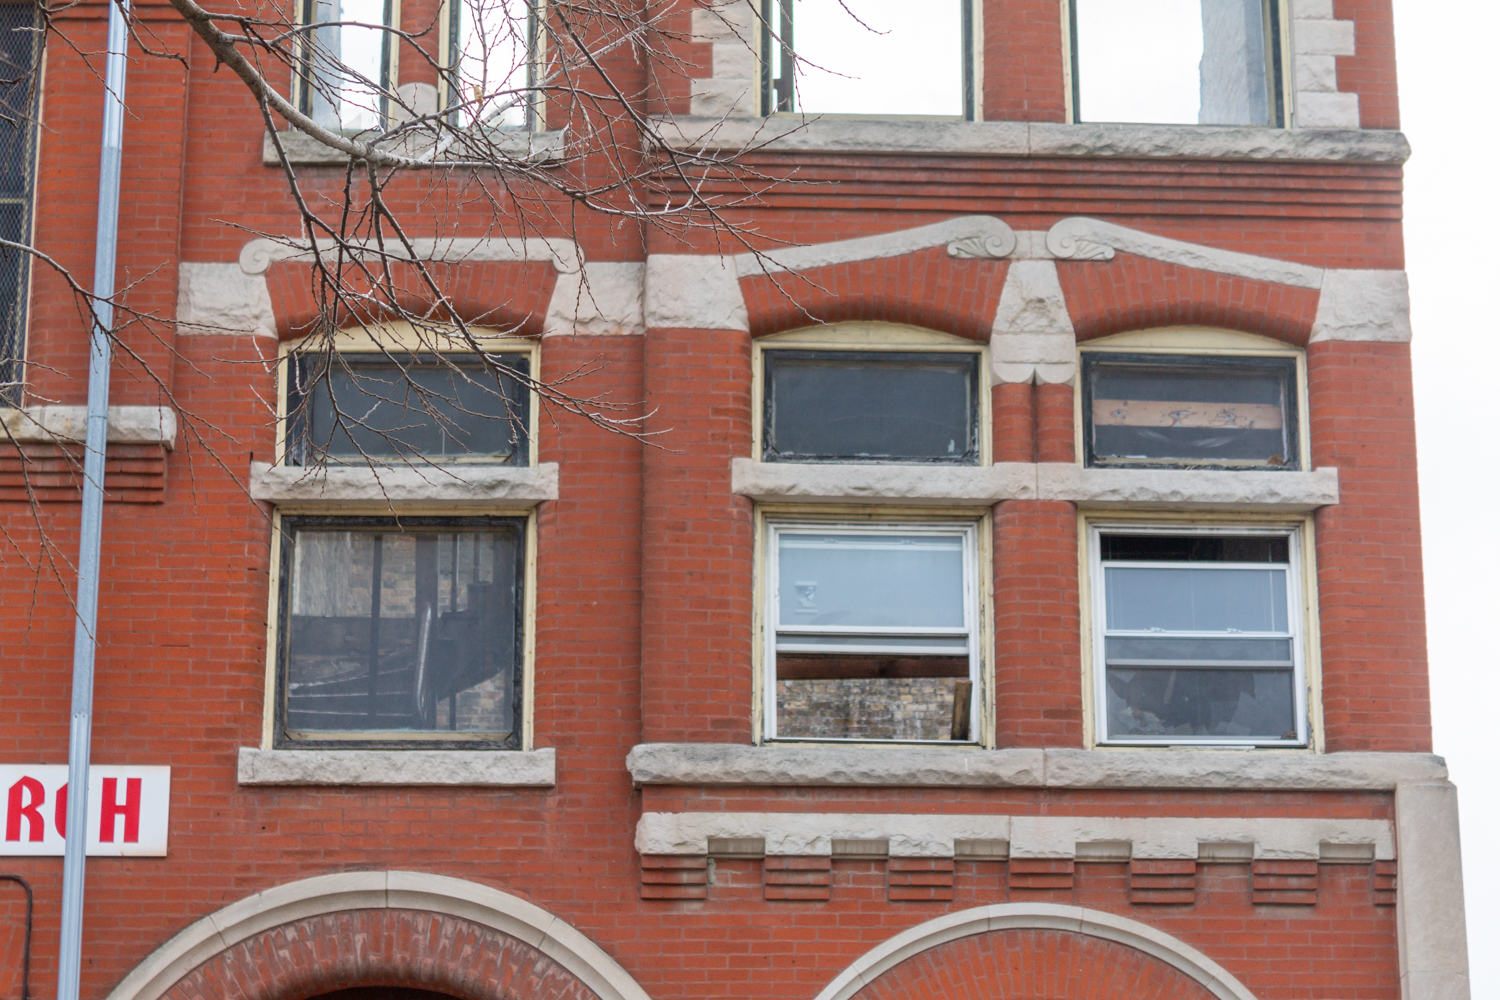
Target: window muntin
{"points": [[867, 57], [492, 47], [395, 633], [1190, 411], [20, 52], [871, 406], [347, 62], [1197, 637], [871, 632], [356, 407], [1202, 62]]}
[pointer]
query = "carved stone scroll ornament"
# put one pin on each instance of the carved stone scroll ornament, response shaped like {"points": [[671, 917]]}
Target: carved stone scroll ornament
{"points": [[983, 247]]}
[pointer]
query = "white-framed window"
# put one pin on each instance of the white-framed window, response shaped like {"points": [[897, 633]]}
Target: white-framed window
{"points": [[492, 54], [871, 393], [1199, 634], [1192, 398], [396, 397], [869, 57], [872, 630], [1191, 62], [347, 62]]}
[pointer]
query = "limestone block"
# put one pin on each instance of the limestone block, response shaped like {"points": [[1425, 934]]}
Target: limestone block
{"points": [[1315, 110], [404, 485], [1325, 37], [694, 292], [769, 482], [69, 424], [603, 299], [1315, 74], [223, 299], [1364, 305], [493, 768]]}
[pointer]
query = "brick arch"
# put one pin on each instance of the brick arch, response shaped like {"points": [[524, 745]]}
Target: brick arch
{"points": [[1132, 292], [409, 949], [1033, 964], [924, 288], [502, 294]]}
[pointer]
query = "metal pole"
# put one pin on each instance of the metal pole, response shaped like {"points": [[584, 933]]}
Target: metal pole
{"points": [[92, 520]]}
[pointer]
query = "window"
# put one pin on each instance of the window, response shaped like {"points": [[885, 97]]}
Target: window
{"points": [[1190, 411], [1198, 636], [871, 406], [1199, 62], [490, 46], [868, 57], [20, 51], [347, 63], [394, 632], [872, 631], [359, 407]]}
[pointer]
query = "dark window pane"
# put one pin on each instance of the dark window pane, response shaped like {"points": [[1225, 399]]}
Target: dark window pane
{"points": [[20, 48], [402, 629], [1194, 548], [350, 407], [842, 406], [1173, 410], [1226, 704], [1131, 651]]}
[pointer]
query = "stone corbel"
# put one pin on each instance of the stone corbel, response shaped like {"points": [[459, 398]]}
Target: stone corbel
{"points": [[1032, 337]]}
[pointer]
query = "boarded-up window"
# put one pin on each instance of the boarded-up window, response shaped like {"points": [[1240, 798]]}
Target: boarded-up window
{"points": [[1190, 411]]}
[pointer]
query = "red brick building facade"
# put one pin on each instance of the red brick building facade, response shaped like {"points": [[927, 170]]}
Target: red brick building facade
{"points": [[678, 773]]}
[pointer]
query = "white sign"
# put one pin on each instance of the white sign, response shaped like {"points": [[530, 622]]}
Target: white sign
{"points": [[127, 810]]}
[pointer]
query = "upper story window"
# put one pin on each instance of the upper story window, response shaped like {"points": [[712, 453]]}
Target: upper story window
{"points": [[872, 631], [349, 73], [401, 631], [391, 406], [348, 62], [20, 52], [1235, 408], [1198, 635], [1194, 62], [868, 57], [871, 393]]}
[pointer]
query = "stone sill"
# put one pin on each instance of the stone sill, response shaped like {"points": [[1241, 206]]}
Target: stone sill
{"points": [[774, 482], [791, 134], [69, 425], [489, 768], [944, 767], [303, 150], [408, 486]]}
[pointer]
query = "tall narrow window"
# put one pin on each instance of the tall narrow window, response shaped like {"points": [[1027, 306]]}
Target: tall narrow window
{"points": [[868, 57], [399, 631], [1197, 637], [1199, 62], [347, 62], [492, 51], [20, 51], [351, 407], [872, 632]]}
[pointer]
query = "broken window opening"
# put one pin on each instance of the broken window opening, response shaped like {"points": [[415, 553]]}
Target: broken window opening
{"points": [[872, 633], [1198, 62], [868, 57], [871, 406], [1190, 411], [1198, 638], [400, 632]]}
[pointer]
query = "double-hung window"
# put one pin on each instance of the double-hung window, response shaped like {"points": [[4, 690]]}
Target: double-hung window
{"points": [[402, 629], [1198, 635], [1195, 62], [869, 57], [872, 618], [492, 48], [872, 631], [347, 62]]}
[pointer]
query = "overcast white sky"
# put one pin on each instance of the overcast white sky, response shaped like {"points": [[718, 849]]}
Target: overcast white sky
{"points": [[1446, 71]]}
